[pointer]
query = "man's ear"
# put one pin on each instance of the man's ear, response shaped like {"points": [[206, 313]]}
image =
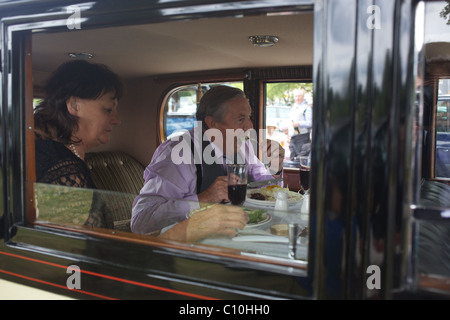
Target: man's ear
{"points": [[210, 122], [72, 106]]}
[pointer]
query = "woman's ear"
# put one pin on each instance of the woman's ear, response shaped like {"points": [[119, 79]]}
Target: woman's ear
{"points": [[72, 106]]}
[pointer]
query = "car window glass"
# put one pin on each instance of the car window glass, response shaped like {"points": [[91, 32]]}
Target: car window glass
{"points": [[69, 206]]}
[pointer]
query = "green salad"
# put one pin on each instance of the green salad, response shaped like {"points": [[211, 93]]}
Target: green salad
{"points": [[255, 215]]}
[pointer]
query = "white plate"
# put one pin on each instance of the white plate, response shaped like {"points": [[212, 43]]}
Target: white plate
{"points": [[269, 203], [260, 223]]}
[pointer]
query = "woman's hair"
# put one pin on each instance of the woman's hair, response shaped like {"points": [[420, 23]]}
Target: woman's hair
{"points": [[213, 103], [79, 79]]}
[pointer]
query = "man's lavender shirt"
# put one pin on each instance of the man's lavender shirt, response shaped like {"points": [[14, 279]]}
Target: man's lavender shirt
{"points": [[166, 183]]}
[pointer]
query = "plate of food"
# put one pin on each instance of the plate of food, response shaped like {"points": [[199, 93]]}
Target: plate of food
{"points": [[266, 196], [257, 217]]}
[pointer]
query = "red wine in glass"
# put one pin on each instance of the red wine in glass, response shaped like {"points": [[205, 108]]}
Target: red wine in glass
{"points": [[237, 194], [304, 178], [305, 166]]}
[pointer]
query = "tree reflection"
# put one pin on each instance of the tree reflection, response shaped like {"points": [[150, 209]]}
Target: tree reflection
{"points": [[446, 12]]}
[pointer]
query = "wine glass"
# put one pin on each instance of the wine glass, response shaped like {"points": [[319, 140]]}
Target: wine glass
{"points": [[237, 183], [305, 167]]}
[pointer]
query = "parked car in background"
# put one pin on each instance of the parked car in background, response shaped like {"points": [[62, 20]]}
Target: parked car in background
{"points": [[178, 122]]}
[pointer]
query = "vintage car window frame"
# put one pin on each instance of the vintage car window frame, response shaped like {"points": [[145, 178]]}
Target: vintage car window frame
{"points": [[23, 199]]}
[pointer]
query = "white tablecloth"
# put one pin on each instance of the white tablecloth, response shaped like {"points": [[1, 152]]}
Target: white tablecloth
{"points": [[273, 248]]}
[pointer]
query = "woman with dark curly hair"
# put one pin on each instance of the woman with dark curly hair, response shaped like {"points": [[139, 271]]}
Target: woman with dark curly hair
{"points": [[78, 113]]}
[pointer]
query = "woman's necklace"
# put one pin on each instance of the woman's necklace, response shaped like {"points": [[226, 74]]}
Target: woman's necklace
{"points": [[74, 150]]}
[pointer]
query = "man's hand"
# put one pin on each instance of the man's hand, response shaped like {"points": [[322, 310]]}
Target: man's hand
{"points": [[213, 221], [217, 191], [274, 153], [218, 220]]}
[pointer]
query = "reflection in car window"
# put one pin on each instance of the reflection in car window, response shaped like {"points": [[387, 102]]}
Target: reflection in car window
{"points": [[265, 234], [71, 206]]}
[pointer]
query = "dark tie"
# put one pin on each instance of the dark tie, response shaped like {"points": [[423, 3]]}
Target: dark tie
{"points": [[207, 173]]}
